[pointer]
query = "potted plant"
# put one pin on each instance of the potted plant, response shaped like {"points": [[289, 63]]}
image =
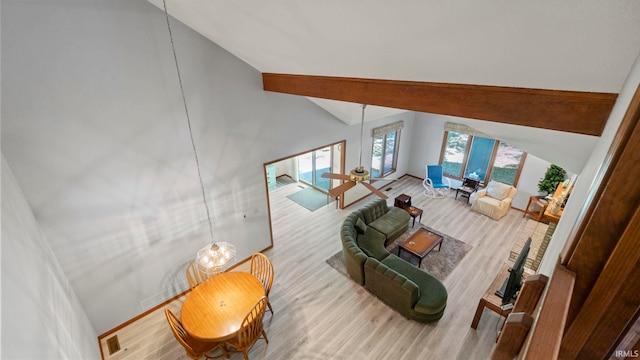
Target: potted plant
{"points": [[554, 175]]}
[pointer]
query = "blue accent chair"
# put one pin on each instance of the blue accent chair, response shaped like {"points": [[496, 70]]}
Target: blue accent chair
{"points": [[434, 183]]}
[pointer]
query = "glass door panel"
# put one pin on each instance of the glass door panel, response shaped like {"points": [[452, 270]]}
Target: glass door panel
{"points": [[312, 165], [305, 168], [389, 151], [322, 165]]}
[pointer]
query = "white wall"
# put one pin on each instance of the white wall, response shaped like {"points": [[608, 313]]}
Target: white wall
{"points": [[95, 131], [41, 315], [591, 176], [533, 170], [287, 167], [427, 142]]}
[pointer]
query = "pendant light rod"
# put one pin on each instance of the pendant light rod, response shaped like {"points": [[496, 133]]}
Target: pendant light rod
{"points": [[186, 111], [361, 136]]}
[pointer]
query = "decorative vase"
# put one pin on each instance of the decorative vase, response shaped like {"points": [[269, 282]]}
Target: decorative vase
{"points": [[554, 209]]}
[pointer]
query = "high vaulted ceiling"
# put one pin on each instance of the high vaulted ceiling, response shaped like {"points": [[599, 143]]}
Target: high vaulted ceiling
{"points": [[557, 45]]}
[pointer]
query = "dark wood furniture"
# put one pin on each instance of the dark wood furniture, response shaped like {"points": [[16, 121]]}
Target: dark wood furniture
{"points": [[539, 207], [420, 244], [414, 212], [468, 187], [402, 201], [490, 300]]}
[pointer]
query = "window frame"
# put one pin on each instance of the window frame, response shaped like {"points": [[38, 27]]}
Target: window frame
{"points": [[396, 148], [467, 151]]}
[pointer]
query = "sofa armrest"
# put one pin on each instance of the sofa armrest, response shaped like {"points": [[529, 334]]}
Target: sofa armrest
{"points": [[505, 203], [390, 286], [481, 193], [425, 306]]}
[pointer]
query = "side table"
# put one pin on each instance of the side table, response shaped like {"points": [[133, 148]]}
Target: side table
{"points": [[402, 201], [468, 187], [539, 207], [465, 192], [414, 212]]}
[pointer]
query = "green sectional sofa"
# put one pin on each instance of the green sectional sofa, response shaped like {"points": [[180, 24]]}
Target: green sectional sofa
{"points": [[408, 289]]}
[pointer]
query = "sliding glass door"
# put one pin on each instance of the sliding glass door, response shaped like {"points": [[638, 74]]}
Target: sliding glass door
{"points": [[312, 165]]}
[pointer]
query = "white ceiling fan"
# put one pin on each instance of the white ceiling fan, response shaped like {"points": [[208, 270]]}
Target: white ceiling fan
{"points": [[359, 175]]}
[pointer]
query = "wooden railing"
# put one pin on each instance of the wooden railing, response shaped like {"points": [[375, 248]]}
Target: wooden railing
{"points": [[531, 332], [518, 323], [546, 335]]}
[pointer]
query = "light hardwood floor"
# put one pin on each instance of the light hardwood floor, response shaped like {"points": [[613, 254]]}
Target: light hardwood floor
{"points": [[320, 314]]}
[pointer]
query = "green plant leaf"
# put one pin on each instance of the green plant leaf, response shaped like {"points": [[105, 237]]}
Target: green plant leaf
{"points": [[554, 175]]}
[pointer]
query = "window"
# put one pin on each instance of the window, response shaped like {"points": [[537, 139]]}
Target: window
{"points": [[383, 159], [384, 155], [506, 167], [454, 152], [469, 153], [479, 158]]}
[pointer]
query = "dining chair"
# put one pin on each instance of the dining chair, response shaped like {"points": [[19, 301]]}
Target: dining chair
{"points": [[195, 349], [262, 268], [251, 330], [194, 275]]}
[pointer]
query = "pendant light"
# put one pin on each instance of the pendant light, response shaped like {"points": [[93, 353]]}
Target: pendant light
{"points": [[214, 257]]}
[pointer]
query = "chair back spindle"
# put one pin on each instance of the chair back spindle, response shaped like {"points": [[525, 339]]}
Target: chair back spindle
{"points": [[195, 349], [194, 275], [262, 268], [252, 329]]}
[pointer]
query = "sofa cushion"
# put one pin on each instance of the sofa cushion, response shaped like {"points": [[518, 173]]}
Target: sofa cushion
{"points": [[394, 220], [360, 226], [491, 201], [498, 190], [372, 243]]}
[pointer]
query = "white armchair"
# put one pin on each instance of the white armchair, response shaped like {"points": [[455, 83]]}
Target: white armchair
{"points": [[495, 200]]}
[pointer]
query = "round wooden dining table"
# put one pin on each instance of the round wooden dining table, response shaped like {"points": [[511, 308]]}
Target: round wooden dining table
{"points": [[215, 309]]}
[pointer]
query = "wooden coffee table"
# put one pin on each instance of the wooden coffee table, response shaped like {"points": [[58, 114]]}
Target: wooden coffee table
{"points": [[420, 244]]}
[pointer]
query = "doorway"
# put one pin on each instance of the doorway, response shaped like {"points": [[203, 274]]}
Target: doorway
{"points": [[304, 170]]}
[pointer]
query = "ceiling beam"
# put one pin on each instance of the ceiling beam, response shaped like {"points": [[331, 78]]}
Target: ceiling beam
{"points": [[569, 111]]}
